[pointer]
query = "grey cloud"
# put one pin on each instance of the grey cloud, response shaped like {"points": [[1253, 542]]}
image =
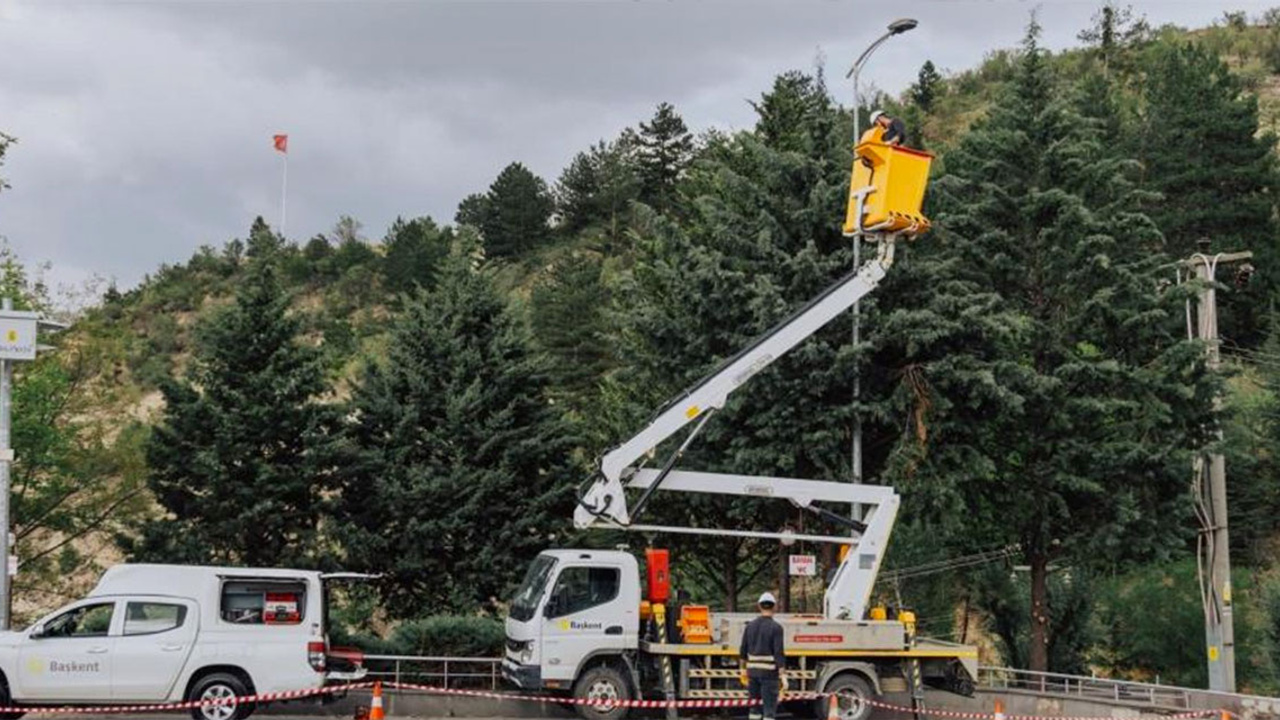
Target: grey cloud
{"points": [[145, 126]]}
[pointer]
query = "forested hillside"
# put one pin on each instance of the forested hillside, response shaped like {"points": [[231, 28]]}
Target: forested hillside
{"points": [[422, 401]]}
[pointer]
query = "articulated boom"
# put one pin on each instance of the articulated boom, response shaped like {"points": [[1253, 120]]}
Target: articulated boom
{"points": [[604, 504], [886, 188]]}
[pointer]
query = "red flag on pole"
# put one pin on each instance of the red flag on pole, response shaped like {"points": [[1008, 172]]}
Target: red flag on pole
{"points": [[281, 143]]}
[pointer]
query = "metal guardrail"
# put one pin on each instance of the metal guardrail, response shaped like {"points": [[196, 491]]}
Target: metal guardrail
{"points": [[472, 673], [1092, 688]]}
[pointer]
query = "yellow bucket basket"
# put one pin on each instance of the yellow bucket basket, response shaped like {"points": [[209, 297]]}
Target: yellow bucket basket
{"points": [[897, 177]]}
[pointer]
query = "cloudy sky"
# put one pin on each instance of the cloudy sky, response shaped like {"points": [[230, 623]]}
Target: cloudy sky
{"points": [[145, 127]]}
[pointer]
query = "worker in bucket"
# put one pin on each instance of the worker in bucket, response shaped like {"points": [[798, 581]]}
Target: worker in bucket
{"points": [[762, 652], [893, 130]]}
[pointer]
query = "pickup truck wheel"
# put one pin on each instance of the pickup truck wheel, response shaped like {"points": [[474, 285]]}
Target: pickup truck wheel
{"points": [[220, 686], [6, 700], [853, 691], [602, 684]]}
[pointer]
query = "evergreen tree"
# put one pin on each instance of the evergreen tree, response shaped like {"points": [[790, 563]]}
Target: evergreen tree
{"points": [[452, 462], [1200, 146], [413, 252], [664, 150], [232, 460], [597, 188], [795, 115], [1115, 33], [263, 242], [567, 309], [928, 85], [1071, 429], [514, 216]]}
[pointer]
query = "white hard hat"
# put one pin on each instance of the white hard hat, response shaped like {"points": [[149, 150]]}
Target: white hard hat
{"points": [[877, 115], [767, 599]]}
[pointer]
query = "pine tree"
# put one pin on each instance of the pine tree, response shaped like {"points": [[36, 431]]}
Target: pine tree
{"points": [[1115, 34], [452, 462], [597, 188], [795, 115], [664, 150], [413, 252], [567, 309], [513, 216], [1199, 143], [1071, 428], [263, 242], [928, 84], [232, 461]]}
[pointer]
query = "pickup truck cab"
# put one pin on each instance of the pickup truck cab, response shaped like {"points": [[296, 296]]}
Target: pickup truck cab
{"points": [[170, 633]]}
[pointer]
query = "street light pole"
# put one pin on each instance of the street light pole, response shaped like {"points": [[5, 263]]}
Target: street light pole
{"points": [[897, 27]]}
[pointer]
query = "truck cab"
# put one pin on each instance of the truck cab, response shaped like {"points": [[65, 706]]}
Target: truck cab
{"points": [[573, 606]]}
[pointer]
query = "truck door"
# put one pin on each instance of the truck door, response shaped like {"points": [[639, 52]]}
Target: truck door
{"points": [[156, 638], [68, 656], [585, 613]]}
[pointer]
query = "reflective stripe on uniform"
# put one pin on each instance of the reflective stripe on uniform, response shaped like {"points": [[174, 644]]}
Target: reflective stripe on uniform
{"points": [[761, 662]]}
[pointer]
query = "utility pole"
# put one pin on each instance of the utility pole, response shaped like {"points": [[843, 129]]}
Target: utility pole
{"points": [[1210, 480], [17, 343]]}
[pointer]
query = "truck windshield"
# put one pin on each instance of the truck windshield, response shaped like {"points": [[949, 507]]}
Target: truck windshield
{"points": [[531, 590]]}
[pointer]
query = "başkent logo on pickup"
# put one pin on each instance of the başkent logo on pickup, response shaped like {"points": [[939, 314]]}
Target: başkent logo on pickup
{"points": [[819, 638], [36, 666]]}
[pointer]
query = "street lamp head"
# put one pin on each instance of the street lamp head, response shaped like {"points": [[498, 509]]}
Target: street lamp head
{"points": [[897, 27]]}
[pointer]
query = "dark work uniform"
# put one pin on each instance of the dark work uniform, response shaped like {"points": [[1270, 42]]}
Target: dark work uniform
{"points": [[762, 649], [896, 131]]}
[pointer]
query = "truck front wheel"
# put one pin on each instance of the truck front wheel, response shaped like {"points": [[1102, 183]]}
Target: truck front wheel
{"points": [[852, 692], [219, 686], [6, 700], [603, 685]]}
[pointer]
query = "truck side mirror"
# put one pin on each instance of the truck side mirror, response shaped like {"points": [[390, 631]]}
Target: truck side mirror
{"points": [[552, 608]]}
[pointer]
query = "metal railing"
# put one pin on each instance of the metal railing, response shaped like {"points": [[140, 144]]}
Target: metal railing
{"points": [[472, 673], [1093, 688]]}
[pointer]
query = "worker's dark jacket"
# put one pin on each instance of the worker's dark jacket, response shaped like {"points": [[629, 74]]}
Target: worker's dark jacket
{"points": [[897, 130], [762, 647]]}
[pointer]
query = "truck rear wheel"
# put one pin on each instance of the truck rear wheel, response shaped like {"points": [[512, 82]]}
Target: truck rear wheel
{"points": [[604, 684], [219, 686], [852, 691]]}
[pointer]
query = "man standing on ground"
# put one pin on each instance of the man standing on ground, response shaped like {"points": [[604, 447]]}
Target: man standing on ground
{"points": [[763, 653]]}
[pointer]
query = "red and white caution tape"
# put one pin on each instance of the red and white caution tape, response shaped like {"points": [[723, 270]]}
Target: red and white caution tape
{"points": [[187, 705]]}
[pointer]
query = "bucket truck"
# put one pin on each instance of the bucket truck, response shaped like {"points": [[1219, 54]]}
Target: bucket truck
{"points": [[584, 623]]}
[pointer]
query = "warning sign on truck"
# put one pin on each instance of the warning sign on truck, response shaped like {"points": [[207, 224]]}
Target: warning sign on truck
{"points": [[804, 565]]}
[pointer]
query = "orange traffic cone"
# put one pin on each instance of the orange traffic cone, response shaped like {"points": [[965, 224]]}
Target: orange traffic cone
{"points": [[375, 705], [999, 713], [833, 708]]}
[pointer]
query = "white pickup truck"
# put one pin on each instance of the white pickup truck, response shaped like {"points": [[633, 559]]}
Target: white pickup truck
{"points": [[169, 633]]}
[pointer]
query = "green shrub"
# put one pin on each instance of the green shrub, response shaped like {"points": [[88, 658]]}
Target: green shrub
{"points": [[438, 635], [470, 636]]}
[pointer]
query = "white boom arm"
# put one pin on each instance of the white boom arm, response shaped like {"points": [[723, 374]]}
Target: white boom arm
{"points": [[604, 504], [849, 590]]}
